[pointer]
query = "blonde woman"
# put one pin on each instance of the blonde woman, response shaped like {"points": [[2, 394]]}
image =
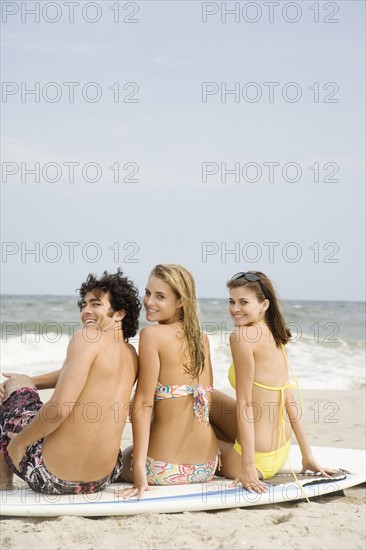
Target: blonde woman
{"points": [[173, 442]]}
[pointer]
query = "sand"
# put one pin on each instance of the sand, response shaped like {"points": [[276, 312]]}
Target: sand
{"points": [[333, 418]]}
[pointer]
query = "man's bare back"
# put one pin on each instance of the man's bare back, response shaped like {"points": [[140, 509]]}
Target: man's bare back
{"points": [[75, 438], [86, 444]]}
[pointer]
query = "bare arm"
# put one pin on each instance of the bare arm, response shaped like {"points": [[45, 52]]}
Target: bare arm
{"points": [[208, 362], [242, 352], [294, 415], [149, 367], [80, 357], [42, 382], [46, 381]]}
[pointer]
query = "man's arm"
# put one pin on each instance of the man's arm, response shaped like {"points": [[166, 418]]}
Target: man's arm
{"points": [[75, 371], [46, 381], [42, 382]]}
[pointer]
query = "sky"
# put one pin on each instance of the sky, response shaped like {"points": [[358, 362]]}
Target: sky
{"points": [[225, 136]]}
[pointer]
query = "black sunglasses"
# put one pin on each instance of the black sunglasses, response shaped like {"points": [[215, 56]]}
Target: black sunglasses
{"points": [[251, 277]]}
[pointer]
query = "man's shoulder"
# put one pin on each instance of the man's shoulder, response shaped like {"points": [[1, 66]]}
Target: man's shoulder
{"points": [[86, 336], [132, 350]]}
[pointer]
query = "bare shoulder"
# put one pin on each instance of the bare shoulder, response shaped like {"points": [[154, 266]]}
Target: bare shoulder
{"points": [[243, 338], [205, 341], [132, 350], [152, 333], [76, 335], [135, 358], [235, 336], [134, 355], [85, 337]]}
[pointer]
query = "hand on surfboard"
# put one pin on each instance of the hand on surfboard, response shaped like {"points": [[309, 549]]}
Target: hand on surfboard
{"points": [[139, 487], [309, 463], [133, 492], [15, 451], [248, 477]]}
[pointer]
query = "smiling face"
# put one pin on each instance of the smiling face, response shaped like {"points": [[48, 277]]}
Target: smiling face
{"points": [[161, 303], [96, 311], [244, 307]]}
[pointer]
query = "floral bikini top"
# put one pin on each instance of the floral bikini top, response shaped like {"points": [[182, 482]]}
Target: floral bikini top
{"points": [[200, 401]]}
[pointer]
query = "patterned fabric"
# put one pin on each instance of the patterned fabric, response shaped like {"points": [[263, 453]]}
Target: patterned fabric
{"points": [[164, 473], [15, 413], [200, 401]]}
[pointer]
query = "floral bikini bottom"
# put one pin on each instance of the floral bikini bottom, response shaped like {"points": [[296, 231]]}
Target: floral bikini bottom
{"points": [[164, 473]]}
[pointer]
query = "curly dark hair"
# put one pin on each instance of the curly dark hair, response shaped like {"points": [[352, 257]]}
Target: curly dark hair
{"points": [[123, 295]]}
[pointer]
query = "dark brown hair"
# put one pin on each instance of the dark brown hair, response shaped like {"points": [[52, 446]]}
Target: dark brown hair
{"points": [[123, 295], [264, 289]]}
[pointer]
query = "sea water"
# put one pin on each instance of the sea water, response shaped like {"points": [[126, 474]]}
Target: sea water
{"points": [[327, 350]]}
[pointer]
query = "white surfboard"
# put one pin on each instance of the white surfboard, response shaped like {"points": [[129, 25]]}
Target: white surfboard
{"points": [[216, 494]]}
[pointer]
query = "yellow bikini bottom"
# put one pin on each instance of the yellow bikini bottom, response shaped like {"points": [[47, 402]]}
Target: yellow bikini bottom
{"points": [[269, 463]]}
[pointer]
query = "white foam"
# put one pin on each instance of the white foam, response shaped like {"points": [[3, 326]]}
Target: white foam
{"points": [[32, 354], [316, 365]]}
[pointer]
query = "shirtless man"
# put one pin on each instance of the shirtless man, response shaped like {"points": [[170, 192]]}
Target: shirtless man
{"points": [[71, 444]]}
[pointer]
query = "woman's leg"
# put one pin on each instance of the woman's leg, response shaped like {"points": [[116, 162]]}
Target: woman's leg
{"points": [[230, 461], [222, 416]]}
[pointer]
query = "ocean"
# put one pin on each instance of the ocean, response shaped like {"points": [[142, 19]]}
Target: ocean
{"points": [[327, 350]]}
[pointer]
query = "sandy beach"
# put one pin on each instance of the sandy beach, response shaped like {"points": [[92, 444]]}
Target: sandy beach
{"points": [[333, 418]]}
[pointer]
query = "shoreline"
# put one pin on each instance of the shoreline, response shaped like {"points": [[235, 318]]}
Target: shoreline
{"points": [[334, 418]]}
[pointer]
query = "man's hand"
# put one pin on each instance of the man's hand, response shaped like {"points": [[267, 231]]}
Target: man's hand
{"points": [[3, 394], [15, 450]]}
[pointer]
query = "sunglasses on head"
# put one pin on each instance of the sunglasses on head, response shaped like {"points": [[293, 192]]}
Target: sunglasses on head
{"points": [[251, 277]]}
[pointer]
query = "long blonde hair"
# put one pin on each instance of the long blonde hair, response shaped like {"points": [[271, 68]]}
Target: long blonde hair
{"points": [[182, 283]]}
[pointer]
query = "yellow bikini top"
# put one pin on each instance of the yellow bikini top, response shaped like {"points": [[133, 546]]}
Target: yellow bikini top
{"points": [[232, 379], [282, 389]]}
